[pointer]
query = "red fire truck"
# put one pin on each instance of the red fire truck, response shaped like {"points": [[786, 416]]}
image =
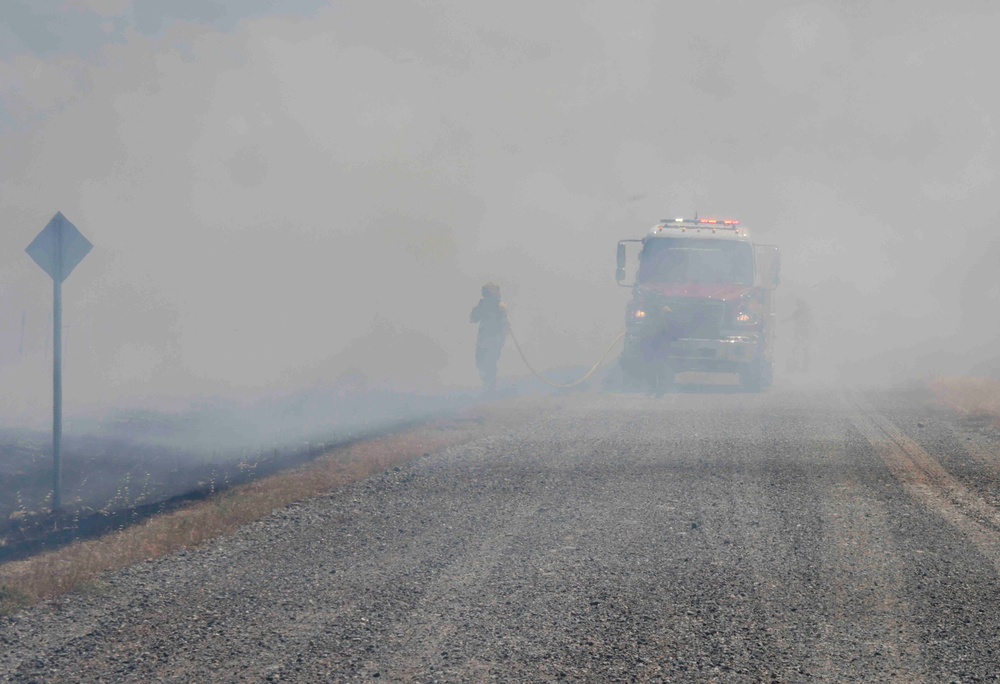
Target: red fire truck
{"points": [[701, 301]]}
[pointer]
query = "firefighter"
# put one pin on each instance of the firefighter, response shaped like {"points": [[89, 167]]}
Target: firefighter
{"points": [[491, 315]]}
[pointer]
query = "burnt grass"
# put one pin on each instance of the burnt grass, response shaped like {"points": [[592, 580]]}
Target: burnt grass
{"points": [[144, 464], [114, 484], [111, 484]]}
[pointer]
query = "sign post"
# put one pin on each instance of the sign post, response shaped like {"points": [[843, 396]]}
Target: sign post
{"points": [[58, 249]]}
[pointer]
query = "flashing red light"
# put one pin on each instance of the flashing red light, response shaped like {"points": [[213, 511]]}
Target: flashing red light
{"points": [[731, 223], [726, 222]]}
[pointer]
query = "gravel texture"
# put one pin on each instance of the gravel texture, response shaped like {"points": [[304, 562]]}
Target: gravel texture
{"points": [[798, 535]]}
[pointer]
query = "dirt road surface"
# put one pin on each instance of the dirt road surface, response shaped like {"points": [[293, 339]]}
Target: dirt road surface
{"points": [[799, 535]]}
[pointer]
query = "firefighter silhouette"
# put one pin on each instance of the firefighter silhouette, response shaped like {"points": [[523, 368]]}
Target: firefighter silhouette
{"points": [[491, 315], [802, 329]]}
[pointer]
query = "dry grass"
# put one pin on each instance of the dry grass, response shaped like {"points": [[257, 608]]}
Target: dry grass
{"points": [[52, 574], [974, 397]]}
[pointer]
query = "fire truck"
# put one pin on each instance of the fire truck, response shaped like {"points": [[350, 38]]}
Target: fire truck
{"points": [[701, 301]]}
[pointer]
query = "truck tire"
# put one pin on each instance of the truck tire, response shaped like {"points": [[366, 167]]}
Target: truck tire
{"points": [[632, 376], [755, 376], [661, 378]]}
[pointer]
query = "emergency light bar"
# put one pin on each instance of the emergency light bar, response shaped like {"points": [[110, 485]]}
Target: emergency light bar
{"points": [[711, 222]]}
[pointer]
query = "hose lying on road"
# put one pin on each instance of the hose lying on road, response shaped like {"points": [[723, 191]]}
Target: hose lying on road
{"points": [[569, 384]]}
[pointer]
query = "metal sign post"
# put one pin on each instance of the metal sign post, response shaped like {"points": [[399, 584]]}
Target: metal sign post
{"points": [[58, 249]]}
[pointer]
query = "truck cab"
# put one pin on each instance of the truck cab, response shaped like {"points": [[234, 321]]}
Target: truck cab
{"points": [[701, 301]]}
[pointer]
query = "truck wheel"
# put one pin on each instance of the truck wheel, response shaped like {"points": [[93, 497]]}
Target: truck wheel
{"points": [[631, 376], [632, 382], [661, 378], [754, 377]]}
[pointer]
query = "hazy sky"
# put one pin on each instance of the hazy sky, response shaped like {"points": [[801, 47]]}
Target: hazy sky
{"points": [[278, 198]]}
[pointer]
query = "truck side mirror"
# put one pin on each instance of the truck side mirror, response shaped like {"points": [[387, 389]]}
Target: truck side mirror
{"points": [[620, 272]]}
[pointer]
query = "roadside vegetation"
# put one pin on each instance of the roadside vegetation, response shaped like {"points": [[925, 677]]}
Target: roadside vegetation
{"points": [[80, 565], [977, 398]]}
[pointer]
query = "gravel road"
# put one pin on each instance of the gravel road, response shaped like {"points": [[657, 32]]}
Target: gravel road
{"points": [[799, 535]]}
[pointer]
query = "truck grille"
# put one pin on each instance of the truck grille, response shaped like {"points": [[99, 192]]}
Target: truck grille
{"points": [[696, 318]]}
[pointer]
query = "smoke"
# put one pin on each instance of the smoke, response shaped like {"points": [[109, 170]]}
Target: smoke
{"points": [[281, 199]]}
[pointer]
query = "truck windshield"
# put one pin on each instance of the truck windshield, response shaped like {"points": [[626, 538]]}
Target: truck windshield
{"points": [[693, 260]]}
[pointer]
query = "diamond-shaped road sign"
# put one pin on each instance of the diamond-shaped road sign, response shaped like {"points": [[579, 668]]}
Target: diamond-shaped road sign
{"points": [[59, 248]]}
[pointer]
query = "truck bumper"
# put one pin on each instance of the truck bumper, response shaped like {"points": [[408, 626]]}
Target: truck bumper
{"points": [[723, 355]]}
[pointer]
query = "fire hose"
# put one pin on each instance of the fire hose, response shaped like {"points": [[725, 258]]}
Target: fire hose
{"points": [[569, 384]]}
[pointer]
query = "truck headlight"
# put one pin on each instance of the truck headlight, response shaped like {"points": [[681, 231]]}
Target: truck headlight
{"points": [[638, 315], [745, 318]]}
